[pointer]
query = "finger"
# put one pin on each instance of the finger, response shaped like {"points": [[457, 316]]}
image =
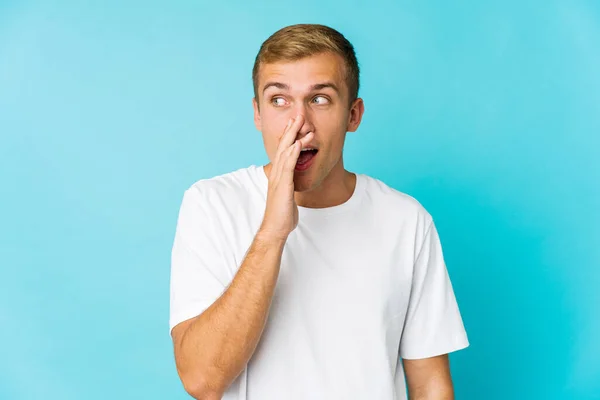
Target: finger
{"points": [[280, 148], [306, 139], [290, 134], [295, 150], [285, 156], [290, 162], [285, 131]]}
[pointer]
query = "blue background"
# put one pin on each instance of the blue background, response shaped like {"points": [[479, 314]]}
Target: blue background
{"points": [[487, 112]]}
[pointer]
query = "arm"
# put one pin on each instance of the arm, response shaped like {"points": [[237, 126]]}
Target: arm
{"points": [[213, 348], [429, 378], [433, 325]]}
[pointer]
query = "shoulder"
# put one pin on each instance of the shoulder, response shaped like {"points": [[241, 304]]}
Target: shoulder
{"points": [[221, 190], [385, 197], [209, 202], [396, 210]]}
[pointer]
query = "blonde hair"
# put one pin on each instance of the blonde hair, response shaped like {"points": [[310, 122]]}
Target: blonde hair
{"points": [[295, 42]]}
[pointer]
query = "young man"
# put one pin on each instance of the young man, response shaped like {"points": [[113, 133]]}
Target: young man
{"points": [[300, 279]]}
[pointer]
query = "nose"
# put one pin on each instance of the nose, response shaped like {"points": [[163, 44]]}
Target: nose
{"points": [[307, 125]]}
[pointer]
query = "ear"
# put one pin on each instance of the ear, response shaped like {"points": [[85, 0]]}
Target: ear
{"points": [[356, 113], [257, 121]]}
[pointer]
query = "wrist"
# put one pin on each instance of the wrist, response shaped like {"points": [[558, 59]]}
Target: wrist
{"points": [[270, 239]]}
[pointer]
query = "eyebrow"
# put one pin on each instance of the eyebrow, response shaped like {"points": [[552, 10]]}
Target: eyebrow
{"points": [[317, 86]]}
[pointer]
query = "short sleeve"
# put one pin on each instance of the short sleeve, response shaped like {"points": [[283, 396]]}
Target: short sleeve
{"points": [[433, 324], [197, 264]]}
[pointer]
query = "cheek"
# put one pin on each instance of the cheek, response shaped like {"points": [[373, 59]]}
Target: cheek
{"points": [[274, 125], [271, 141], [335, 148], [273, 128]]}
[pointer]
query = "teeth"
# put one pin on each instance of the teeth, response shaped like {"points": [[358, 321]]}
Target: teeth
{"points": [[308, 149]]}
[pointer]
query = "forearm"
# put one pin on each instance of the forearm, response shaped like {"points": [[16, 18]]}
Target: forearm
{"points": [[216, 346], [429, 378], [432, 396], [440, 390]]}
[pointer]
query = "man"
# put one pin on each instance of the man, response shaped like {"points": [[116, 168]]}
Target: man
{"points": [[300, 279]]}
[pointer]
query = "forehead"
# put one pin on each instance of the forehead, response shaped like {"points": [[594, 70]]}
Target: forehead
{"points": [[303, 73]]}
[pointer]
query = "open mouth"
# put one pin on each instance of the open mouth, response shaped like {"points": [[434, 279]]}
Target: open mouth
{"points": [[305, 159]]}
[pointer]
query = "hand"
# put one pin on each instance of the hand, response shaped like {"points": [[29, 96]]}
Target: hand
{"points": [[281, 213]]}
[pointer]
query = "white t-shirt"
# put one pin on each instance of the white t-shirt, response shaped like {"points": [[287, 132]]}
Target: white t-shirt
{"points": [[361, 285]]}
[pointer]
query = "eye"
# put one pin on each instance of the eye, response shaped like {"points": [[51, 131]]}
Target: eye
{"points": [[323, 100], [278, 101]]}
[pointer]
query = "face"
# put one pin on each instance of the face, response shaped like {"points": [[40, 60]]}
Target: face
{"points": [[315, 88]]}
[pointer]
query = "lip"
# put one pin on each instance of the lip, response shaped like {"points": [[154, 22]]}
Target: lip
{"points": [[304, 167]]}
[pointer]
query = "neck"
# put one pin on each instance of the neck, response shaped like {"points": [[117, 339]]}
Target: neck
{"points": [[335, 189]]}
